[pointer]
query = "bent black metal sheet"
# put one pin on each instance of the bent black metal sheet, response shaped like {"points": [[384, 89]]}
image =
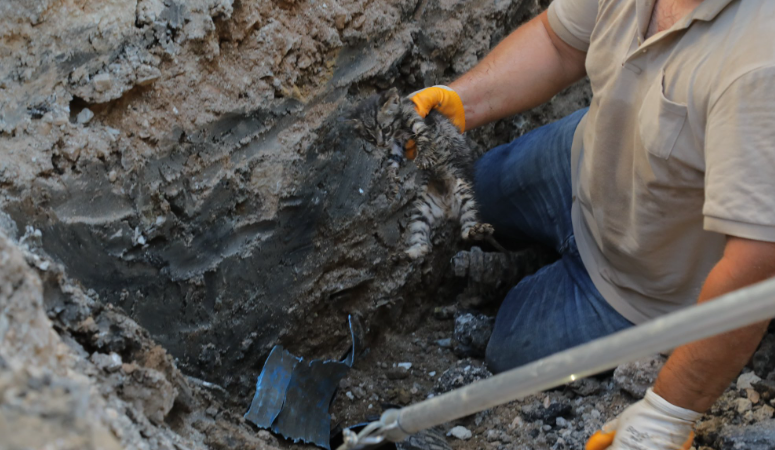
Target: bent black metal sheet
{"points": [[305, 416], [293, 396], [271, 387]]}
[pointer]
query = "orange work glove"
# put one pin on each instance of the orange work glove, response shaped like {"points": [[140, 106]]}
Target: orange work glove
{"points": [[444, 100], [650, 424]]}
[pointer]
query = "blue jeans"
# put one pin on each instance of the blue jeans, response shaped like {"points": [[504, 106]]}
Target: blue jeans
{"points": [[524, 191]]}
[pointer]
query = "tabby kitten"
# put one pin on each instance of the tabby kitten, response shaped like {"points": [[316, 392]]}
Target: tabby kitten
{"points": [[444, 158]]}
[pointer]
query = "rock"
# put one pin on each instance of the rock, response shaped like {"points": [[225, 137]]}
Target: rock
{"points": [[766, 388], [548, 414], [404, 397], [102, 82], [359, 392], [397, 373], [764, 358], [752, 395], [586, 387], [742, 405], [108, 363], [147, 75], [463, 373], [404, 365], [763, 413], [746, 380], [444, 343], [460, 432], [472, 333], [84, 116], [760, 436], [637, 376]]}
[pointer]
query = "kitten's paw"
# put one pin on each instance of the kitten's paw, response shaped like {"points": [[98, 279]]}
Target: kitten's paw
{"points": [[423, 163], [478, 232], [417, 251]]}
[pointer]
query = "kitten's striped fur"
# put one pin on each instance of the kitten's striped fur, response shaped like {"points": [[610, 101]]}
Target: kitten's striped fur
{"points": [[444, 158]]}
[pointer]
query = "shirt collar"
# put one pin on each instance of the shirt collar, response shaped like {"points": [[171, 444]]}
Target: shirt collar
{"points": [[706, 11]]}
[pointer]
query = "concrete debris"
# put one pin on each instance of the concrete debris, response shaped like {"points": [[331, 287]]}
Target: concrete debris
{"points": [[636, 377], [747, 380], [84, 116], [460, 432], [472, 333], [586, 387], [760, 436], [463, 373], [102, 82], [547, 414]]}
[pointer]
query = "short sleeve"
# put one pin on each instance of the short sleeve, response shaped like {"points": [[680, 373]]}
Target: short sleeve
{"points": [[573, 21], [740, 158]]}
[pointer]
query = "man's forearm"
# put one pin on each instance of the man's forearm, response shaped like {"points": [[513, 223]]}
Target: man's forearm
{"points": [[525, 70], [697, 374]]}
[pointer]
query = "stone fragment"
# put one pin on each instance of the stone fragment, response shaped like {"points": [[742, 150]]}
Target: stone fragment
{"points": [[764, 358], [102, 82], [359, 392], [151, 393], [586, 387], [548, 414], [763, 413], [472, 333], [752, 395], [397, 373], [766, 388], [460, 432], [463, 373], [404, 397], [759, 436], [742, 405], [746, 380], [84, 116], [637, 376], [147, 75], [444, 343]]}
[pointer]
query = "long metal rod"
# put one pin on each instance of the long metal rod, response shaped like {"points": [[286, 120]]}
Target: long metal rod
{"points": [[726, 313]]}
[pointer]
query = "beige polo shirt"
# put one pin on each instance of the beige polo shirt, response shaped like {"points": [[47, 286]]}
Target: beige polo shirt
{"points": [[678, 147]]}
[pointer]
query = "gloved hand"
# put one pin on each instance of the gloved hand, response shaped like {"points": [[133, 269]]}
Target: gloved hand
{"points": [[650, 424], [444, 100]]}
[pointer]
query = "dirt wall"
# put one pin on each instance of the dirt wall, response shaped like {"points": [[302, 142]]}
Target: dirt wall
{"points": [[184, 161]]}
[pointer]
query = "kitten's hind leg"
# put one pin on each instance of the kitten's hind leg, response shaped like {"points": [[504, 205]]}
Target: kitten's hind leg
{"points": [[470, 227], [427, 210]]}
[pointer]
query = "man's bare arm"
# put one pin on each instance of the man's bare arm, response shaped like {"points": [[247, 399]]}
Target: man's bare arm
{"points": [[523, 71], [697, 374]]}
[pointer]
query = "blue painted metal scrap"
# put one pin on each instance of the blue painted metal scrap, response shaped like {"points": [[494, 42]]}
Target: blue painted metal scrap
{"points": [[293, 396]]}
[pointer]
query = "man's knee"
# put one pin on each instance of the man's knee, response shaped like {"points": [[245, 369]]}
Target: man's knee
{"points": [[497, 356]]}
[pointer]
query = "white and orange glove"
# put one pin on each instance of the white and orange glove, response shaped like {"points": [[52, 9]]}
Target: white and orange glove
{"points": [[650, 424], [444, 100]]}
